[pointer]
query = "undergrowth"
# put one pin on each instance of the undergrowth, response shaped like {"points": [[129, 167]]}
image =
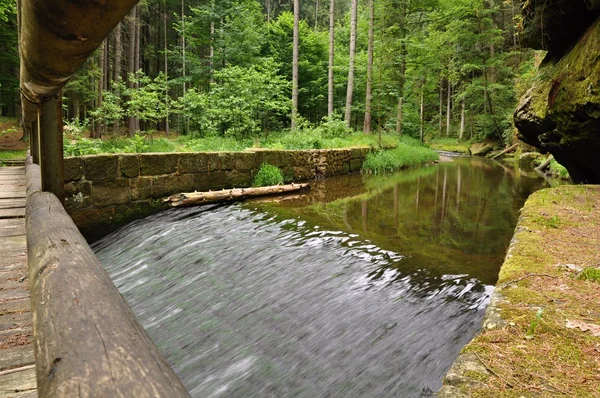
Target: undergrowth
{"points": [[406, 154], [268, 175]]}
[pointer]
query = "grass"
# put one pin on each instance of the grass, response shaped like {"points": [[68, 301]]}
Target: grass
{"points": [[555, 360], [450, 145], [8, 155], [406, 154], [302, 140]]}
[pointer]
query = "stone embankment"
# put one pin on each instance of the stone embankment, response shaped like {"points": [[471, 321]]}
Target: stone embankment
{"points": [[541, 334], [105, 191]]}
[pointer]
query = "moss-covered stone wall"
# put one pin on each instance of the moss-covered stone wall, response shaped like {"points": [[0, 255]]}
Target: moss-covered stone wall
{"points": [[106, 191]]}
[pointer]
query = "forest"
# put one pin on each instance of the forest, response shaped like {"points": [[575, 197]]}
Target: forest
{"points": [[248, 69]]}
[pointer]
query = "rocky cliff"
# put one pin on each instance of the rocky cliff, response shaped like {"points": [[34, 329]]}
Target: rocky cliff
{"points": [[561, 112]]}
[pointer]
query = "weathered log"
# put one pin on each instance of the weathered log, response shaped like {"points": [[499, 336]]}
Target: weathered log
{"points": [[34, 179], [507, 150], [87, 341], [231, 195], [543, 166]]}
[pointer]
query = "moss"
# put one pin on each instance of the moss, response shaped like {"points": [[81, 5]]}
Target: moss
{"points": [[557, 361]]}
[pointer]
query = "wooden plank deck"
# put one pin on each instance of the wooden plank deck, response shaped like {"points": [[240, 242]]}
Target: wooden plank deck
{"points": [[17, 369]]}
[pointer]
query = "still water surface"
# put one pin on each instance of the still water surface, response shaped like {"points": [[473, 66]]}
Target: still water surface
{"points": [[368, 286]]}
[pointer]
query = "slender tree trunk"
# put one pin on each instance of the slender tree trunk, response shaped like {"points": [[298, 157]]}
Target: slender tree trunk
{"points": [[166, 66], [449, 110], [331, 58], [117, 67], [350, 91], [138, 28], [399, 116], [422, 132], [369, 99], [97, 131], [295, 63], [441, 106], [462, 118], [316, 14], [268, 10], [130, 83]]}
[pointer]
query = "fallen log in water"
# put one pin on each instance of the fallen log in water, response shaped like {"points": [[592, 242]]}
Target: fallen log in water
{"points": [[231, 195], [507, 150]]}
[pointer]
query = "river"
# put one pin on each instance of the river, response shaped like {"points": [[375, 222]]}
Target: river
{"points": [[368, 286]]}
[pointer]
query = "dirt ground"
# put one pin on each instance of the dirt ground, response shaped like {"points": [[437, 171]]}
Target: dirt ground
{"points": [[11, 137]]}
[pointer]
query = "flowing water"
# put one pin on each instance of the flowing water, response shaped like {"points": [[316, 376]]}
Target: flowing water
{"points": [[368, 286]]}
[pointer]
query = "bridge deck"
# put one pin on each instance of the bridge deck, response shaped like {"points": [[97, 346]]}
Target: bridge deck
{"points": [[17, 369]]}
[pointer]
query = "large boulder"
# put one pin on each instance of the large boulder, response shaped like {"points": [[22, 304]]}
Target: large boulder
{"points": [[561, 112], [554, 25]]}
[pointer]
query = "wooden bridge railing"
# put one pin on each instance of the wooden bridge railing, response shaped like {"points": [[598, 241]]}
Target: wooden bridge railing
{"points": [[87, 341]]}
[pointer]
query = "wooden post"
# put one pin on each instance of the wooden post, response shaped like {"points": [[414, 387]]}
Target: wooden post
{"points": [[34, 142], [51, 148]]}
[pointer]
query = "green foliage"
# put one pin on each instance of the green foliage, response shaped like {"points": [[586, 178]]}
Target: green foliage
{"points": [[146, 100], [268, 175], [557, 169], [534, 324], [245, 102], [405, 155], [591, 274]]}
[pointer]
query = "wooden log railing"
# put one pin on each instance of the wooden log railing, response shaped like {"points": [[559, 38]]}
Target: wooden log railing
{"points": [[87, 340]]}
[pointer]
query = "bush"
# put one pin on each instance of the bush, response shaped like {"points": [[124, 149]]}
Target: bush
{"points": [[268, 175], [403, 156]]}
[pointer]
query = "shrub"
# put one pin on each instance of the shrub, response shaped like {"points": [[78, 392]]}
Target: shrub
{"points": [[403, 156], [268, 175]]}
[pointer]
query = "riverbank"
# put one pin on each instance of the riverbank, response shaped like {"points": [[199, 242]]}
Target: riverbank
{"points": [[541, 335]]}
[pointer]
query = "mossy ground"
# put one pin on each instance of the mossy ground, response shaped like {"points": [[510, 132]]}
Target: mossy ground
{"points": [[450, 145], [557, 241]]}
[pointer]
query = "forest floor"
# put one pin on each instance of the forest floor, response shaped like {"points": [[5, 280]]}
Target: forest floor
{"points": [[11, 144], [541, 337]]}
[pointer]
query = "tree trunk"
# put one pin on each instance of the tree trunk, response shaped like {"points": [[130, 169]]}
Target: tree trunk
{"points": [[449, 110], [422, 133], [350, 91], [462, 118], [316, 14], [441, 132], [97, 132], [166, 66], [117, 66], [369, 99], [295, 63], [331, 58], [130, 84], [230, 195], [138, 26], [399, 116]]}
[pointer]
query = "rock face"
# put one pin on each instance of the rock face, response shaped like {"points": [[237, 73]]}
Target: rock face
{"points": [[561, 112]]}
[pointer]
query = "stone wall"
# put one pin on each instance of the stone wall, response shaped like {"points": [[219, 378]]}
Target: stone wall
{"points": [[106, 191]]}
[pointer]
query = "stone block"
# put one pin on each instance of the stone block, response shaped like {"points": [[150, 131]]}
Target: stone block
{"points": [[106, 193], [193, 162], [288, 174], [302, 158], [358, 153], [73, 169], [158, 164], [213, 161], [204, 182], [141, 188], [304, 173], [239, 179], [274, 157], [100, 167], [226, 160], [163, 186], [78, 194], [244, 160], [129, 166]]}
